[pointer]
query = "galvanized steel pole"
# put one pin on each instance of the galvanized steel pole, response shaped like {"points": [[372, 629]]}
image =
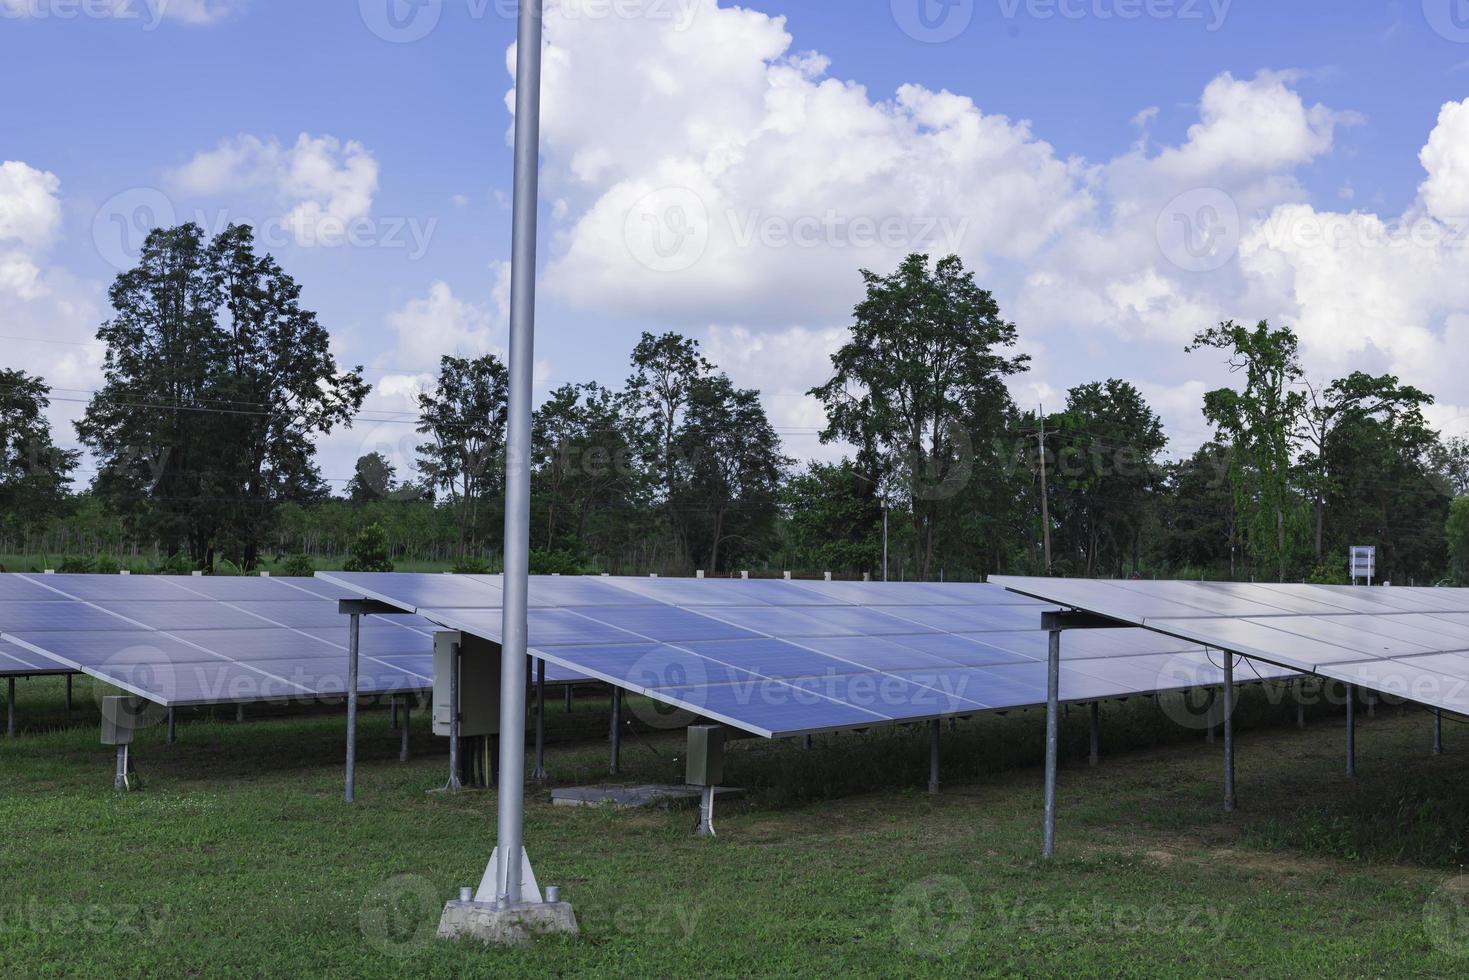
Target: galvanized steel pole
{"points": [[513, 650], [933, 756], [1053, 723], [1351, 730], [1438, 731], [540, 770], [1228, 732], [354, 630], [1096, 725]]}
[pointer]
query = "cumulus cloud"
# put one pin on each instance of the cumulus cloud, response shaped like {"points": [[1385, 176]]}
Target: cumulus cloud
{"points": [[321, 184], [725, 171], [149, 13], [30, 220], [441, 323]]}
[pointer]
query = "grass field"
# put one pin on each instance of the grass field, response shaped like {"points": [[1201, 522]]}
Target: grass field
{"points": [[238, 856]]}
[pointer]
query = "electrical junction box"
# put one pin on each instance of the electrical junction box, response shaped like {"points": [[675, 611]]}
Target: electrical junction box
{"points": [[479, 684], [705, 764], [121, 717]]}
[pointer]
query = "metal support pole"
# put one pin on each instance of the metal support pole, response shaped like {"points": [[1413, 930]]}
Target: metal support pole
{"points": [[120, 777], [884, 541], [1053, 724], [568, 697], [1096, 720], [615, 736], [540, 770], [392, 713], [933, 756], [1351, 730], [510, 830], [403, 735], [706, 812], [354, 634], [1300, 689], [455, 784], [172, 731], [807, 743], [68, 692], [1228, 732], [1438, 731], [1371, 704], [239, 713], [10, 708]]}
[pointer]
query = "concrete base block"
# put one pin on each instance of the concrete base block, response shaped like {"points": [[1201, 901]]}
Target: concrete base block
{"points": [[514, 926], [629, 797]]}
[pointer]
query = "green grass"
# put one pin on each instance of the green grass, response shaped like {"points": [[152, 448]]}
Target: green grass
{"points": [[238, 856]]}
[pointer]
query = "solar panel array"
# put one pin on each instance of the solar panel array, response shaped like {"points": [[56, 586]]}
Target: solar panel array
{"points": [[778, 658], [1409, 642], [183, 641]]}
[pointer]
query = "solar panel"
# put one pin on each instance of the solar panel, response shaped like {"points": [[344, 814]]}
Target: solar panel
{"points": [[1399, 641], [17, 661], [786, 658]]}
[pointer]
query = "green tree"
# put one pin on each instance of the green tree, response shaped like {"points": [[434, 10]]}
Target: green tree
{"points": [[465, 417], [728, 473], [586, 482], [217, 382], [835, 518], [1261, 423], [34, 472], [921, 383], [374, 478], [1105, 446], [1457, 534], [370, 551]]}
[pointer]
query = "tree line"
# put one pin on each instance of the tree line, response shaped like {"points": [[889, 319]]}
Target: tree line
{"points": [[217, 382]]}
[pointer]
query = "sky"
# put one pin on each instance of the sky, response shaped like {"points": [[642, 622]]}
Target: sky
{"points": [[1119, 173]]}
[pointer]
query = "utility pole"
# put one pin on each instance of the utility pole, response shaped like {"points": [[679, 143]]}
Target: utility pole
{"points": [[1045, 497], [884, 540]]}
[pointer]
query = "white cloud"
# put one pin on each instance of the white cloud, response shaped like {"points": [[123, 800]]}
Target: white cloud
{"points": [[442, 324], [321, 183], [721, 171], [783, 366], [1445, 193], [149, 13], [30, 220]]}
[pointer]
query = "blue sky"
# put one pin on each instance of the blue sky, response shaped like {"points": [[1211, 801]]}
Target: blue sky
{"points": [[1052, 143]]}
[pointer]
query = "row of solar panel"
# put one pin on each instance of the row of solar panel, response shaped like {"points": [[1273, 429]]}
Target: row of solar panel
{"points": [[1410, 642], [815, 662], [197, 640]]}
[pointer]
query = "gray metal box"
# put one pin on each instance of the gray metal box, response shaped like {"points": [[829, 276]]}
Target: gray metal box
{"points": [[705, 765], [121, 715], [479, 684]]}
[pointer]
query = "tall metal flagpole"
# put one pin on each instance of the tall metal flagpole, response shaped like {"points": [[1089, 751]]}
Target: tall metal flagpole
{"points": [[511, 806]]}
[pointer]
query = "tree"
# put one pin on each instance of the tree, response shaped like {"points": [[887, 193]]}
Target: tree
{"points": [[585, 467], [1450, 462], [835, 518], [374, 478], [1336, 422], [370, 551], [465, 417], [34, 472], [217, 382], [729, 471], [1457, 533], [1260, 422], [1105, 446], [921, 381], [1199, 526]]}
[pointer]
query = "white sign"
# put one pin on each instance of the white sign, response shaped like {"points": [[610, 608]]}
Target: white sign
{"points": [[1364, 562]]}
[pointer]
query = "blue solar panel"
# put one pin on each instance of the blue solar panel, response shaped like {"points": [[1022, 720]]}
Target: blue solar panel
{"points": [[234, 588], [732, 704], [667, 623], [416, 590], [121, 588], [26, 617], [973, 652], [17, 661], [318, 614], [185, 615], [874, 653], [18, 587]]}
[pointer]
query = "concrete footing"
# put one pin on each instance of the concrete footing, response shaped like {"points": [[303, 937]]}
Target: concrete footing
{"points": [[513, 926], [630, 797]]}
